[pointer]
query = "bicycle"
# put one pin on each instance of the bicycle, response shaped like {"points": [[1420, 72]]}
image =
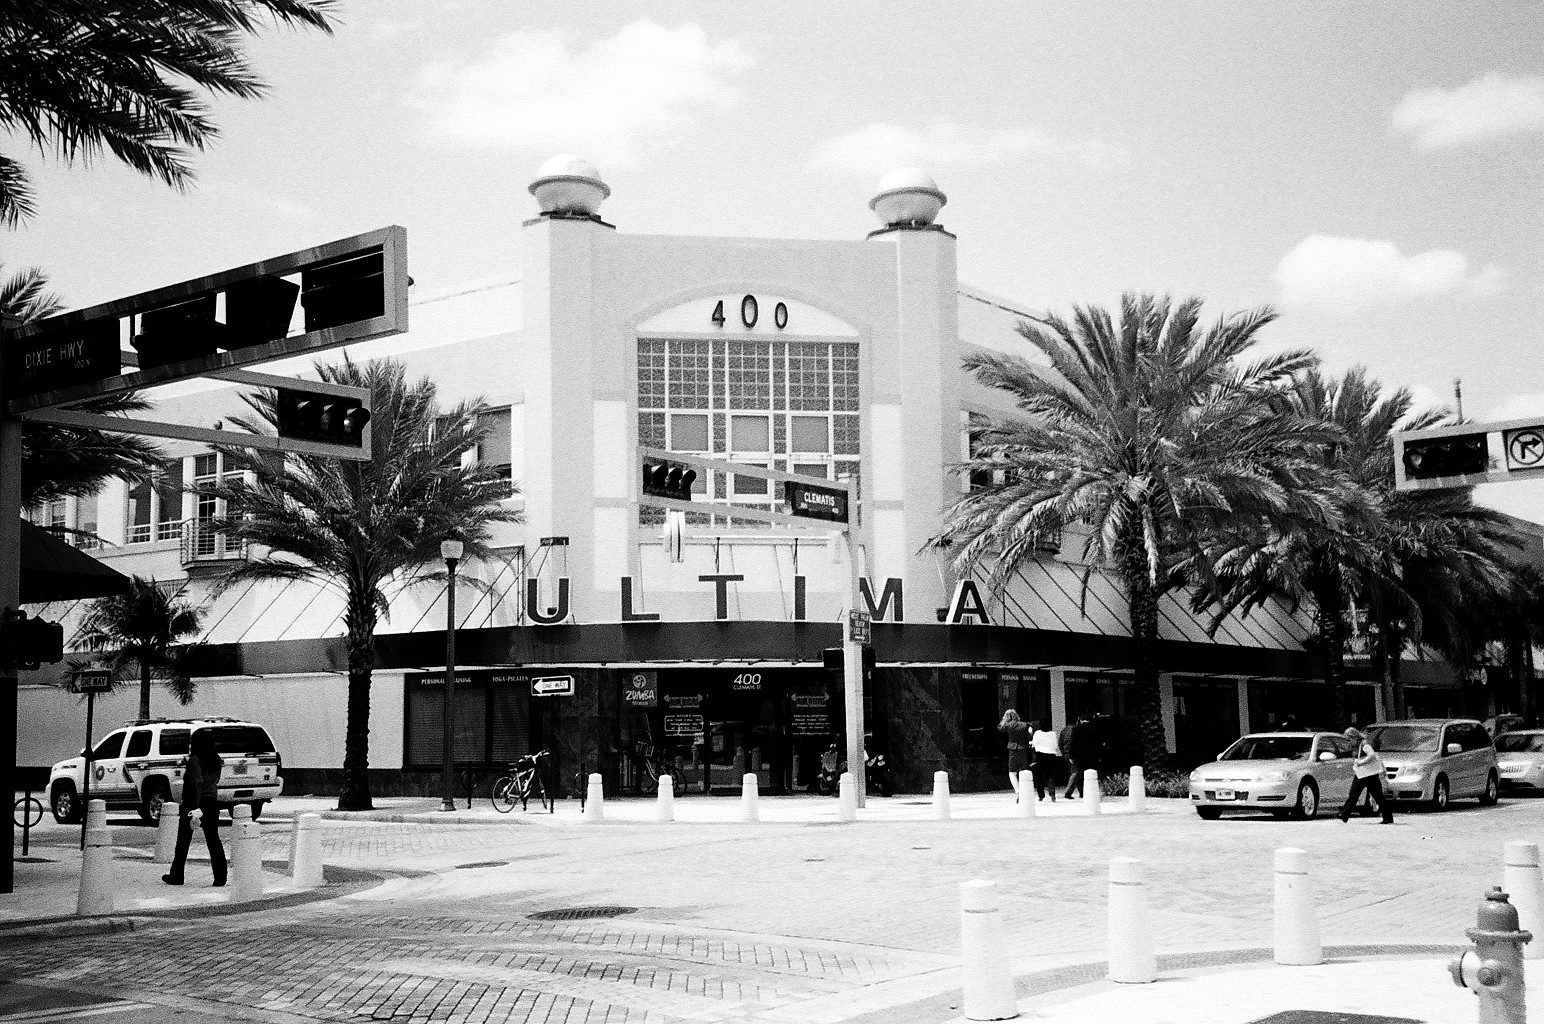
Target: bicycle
{"points": [[654, 765], [522, 779]]}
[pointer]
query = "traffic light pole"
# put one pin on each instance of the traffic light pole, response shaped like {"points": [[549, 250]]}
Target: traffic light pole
{"points": [[852, 675]]}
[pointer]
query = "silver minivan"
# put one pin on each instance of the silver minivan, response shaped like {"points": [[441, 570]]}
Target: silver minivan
{"points": [[1436, 760]]}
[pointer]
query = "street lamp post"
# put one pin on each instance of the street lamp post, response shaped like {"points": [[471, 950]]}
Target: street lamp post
{"points": [[450, 550]]}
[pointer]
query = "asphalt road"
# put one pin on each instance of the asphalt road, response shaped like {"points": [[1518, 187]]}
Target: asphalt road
{"points": [[738, 922]]}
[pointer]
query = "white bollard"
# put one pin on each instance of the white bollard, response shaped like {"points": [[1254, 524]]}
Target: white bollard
{"points": [[97, 877], [595, 799], [1091, 793], [246, 860], [166, 833], [941, 796], [1297, 919], [988, 981], [846, 799], [1520, 879], [1136, 792], [294, 841], [1131, 940], [664, 807], [1026, 805], [750, 809], [306, 861]]}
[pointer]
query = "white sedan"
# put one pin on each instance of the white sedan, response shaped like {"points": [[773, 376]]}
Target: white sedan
{"points": [[1520, 756], [1286, 773]]}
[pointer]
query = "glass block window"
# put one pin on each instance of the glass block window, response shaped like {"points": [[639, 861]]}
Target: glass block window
{"points": [[755, 402]]}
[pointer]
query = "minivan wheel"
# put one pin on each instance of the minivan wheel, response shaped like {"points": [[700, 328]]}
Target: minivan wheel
{"points": [[154, 800], [1439, 794], [1492, 795], [1307, 806], [63, 802]]}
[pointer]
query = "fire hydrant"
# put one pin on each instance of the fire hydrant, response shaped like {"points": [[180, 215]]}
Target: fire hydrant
{"points": [[1493, 969]]}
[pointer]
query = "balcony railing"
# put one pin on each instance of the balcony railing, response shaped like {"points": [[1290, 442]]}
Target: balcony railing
{"points": [[202, 544]]}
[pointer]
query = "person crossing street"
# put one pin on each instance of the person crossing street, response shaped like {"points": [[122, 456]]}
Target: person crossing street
{"points": [[1368, 772]]}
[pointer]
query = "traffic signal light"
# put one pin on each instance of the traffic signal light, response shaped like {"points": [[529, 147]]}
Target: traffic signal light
{"points": [[29, 642], [1456, 455], [344, 291], [314, 416], [668, 480], [835, 661]]}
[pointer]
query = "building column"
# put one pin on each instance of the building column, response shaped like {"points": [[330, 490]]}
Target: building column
{"points": [[1166, 701], [1058, 699], [1243, 706]]}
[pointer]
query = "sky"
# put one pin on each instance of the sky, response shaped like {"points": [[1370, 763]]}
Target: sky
{"points": [[1371, 170]]}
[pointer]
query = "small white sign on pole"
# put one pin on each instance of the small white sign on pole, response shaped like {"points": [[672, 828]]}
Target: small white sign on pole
{"points": [[552, 686]]}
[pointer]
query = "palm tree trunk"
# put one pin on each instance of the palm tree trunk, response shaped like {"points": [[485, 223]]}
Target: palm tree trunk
{"points": [[355, 792], [144, 690], [1332, 644], [1144, 642]]}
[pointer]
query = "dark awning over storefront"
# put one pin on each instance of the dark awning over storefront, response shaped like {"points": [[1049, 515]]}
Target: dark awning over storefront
{"points": [[52, 570]]}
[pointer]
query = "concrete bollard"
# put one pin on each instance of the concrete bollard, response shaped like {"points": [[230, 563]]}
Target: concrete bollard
{"points": [[595, 799], [846, 799], [1297, 919], [750, 787], [97, 876], [941, 796], [246, 862], [306, 860], [166, 833], [1131, 940], [289, 864], [1091, 793], [1136, 791], [1026, 805], [988, 981], [1520, 879], [664, 806]]}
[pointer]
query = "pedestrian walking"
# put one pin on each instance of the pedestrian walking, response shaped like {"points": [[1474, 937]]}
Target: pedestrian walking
{"points": [[1081, 749], [1367, 770], [200, 794], [1044, 750], [1018, 747]]}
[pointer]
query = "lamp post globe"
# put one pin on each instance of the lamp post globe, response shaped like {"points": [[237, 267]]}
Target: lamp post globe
{"points": [[451, 551]]}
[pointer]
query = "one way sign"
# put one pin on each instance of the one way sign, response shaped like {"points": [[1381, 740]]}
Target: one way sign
{"points": [[552, 686]]}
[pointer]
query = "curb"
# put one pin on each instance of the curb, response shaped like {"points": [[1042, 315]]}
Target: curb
{"points": [[433, 818], [69, 927]]}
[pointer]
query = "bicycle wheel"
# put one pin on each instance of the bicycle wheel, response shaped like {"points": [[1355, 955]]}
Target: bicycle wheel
{"points": [[540, 789], [648, 779], [504, 794]]}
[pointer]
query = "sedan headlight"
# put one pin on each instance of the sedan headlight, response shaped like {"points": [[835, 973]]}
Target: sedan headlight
{"points": [[1273, 777], [1411, 775]]}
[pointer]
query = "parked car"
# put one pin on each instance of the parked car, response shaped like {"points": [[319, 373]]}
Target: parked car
{"points": [[1500, 724], [140, 766], [1520, 757], [1437, 760], [1286, 773]]}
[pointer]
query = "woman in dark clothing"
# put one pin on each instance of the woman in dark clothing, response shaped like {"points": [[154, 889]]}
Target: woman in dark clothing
{"points": [[1018, 747], [200, 791]]}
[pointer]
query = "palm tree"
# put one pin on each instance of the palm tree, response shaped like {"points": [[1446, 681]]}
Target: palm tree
{"points": [[78, 77], [358, 526], [143, 629], [58, 462], [1153, 432]]}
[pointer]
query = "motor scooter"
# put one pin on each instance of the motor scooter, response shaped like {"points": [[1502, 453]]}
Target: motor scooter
{"points": [[876, 773]]}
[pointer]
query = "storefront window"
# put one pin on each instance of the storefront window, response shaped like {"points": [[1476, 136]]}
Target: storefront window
{"points": [[491, 719]]}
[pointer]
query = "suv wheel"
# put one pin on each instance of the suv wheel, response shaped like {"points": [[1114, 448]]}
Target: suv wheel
{"points": [[1439, 794], [152, 803], [257, 808], [1492, 795], [64, 803]]}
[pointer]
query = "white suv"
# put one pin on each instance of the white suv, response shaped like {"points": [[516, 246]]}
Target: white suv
{"points": [[141, 765]]}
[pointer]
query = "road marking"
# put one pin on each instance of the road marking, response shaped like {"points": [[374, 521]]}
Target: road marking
{"points": [[71, 1012]]}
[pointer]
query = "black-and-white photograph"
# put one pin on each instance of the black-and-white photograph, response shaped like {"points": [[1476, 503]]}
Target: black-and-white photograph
{"points": [[798, 513]]}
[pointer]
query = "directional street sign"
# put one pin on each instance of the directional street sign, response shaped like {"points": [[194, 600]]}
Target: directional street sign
{"points": [[552, 686], [1524, 448], [91, 680], [815, 501]]}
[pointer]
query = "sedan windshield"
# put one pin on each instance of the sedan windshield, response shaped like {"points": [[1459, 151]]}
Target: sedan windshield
{"points": [[1403, 739], [1521, 742], [1269, 748]]}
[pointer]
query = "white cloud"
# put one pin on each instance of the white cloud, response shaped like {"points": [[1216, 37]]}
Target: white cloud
{"points": [[1518, 407], [1355, 272], [1483, 109], [877, 148], [533, 93]]}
